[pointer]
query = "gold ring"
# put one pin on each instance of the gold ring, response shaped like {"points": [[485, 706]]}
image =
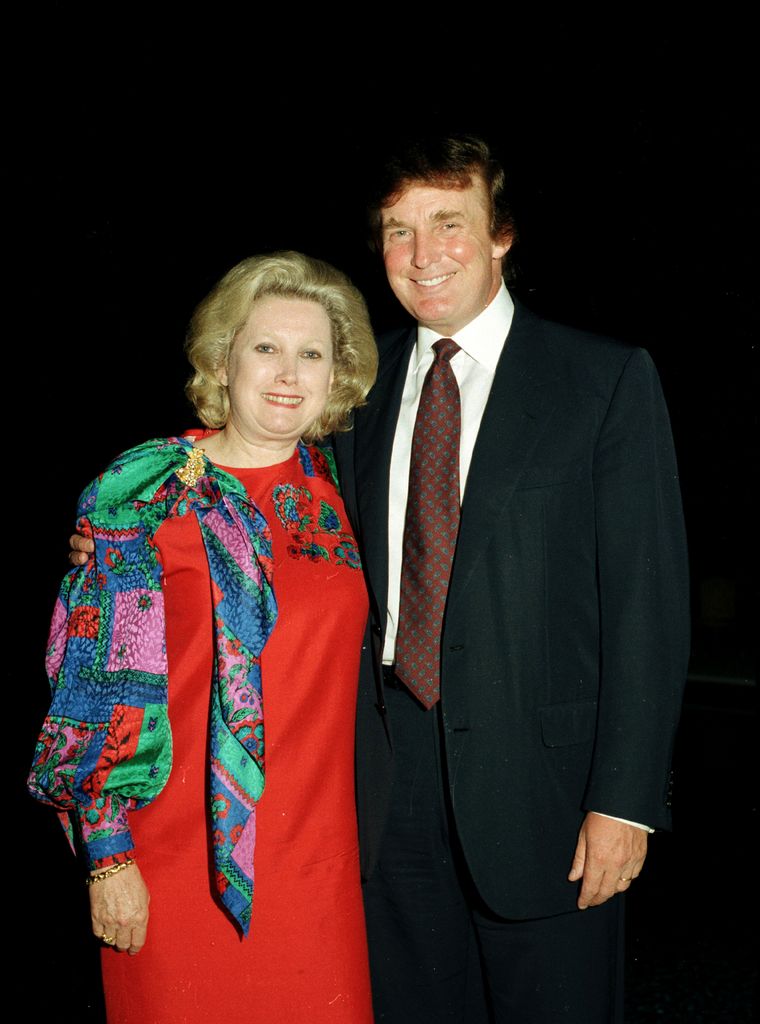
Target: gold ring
{"points": [[110, 940]]}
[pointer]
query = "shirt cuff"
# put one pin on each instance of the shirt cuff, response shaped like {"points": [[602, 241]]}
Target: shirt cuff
{"points": [[104, 828], [626, 821], [101, 863]]}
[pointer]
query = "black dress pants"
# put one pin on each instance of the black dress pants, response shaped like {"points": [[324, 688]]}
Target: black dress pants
{"points": [[437, 953]]}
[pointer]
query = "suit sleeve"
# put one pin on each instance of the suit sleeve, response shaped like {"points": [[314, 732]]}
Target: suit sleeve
{"points": [[642, 572]]}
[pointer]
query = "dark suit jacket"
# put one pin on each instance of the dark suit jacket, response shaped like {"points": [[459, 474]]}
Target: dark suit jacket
{"points": [[565, 641]]}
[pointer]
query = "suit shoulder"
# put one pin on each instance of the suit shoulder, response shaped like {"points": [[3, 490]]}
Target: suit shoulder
{"points": [[583, 356], [575, 341]]}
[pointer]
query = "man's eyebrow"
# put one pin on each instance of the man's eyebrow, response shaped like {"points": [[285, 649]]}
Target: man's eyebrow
{"points": [[438, 216], [447, 215]]}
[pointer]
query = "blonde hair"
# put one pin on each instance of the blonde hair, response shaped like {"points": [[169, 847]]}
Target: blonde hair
{"points": [[225, 311]]}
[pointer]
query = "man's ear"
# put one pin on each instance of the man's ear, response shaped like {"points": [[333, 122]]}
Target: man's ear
{"points": [[501, 245]]}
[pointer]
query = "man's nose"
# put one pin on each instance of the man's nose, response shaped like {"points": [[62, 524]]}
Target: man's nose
{"points": [[426, 251]]}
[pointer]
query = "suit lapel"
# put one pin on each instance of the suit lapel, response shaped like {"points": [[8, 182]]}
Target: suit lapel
{"points": [[515, 417]]}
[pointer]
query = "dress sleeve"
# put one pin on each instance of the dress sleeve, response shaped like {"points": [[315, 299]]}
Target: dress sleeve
{"points": [[105, 745]]}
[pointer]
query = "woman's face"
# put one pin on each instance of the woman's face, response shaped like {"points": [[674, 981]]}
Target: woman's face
{"points": [[280, 371]]}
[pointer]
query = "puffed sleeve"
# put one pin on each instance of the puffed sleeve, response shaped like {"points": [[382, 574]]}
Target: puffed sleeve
{"points": [[105, 746]]}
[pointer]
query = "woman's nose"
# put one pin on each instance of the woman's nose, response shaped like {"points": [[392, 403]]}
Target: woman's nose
{"points": [[287, 371]]}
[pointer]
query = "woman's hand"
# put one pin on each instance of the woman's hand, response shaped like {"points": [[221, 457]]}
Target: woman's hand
{"points": [[81, 549], [119, 910]]}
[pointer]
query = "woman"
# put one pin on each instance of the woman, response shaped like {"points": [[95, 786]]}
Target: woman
{"points": [[225, 596]]}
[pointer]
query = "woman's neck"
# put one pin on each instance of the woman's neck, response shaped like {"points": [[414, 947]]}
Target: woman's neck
{"points": [[229, 448]]}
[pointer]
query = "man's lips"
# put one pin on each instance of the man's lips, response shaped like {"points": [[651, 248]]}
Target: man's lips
{"points": [[291, 400], [431, 282]]}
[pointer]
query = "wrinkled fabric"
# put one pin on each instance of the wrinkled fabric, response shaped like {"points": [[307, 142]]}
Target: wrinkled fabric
{"points": [[105, 746]]}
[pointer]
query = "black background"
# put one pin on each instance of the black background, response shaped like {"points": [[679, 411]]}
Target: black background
{"points": [[148, 158]]}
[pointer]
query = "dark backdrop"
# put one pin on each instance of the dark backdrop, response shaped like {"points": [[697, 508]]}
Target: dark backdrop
{"points": [[146, 165]]}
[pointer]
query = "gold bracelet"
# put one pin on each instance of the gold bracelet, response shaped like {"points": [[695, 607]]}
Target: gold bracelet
{"points": [[113, 870]]}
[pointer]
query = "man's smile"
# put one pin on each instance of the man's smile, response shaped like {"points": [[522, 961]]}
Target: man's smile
{"points": [[431, 282]]}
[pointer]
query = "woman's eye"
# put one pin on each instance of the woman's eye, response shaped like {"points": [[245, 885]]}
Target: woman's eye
{"points": [[264, 348]]}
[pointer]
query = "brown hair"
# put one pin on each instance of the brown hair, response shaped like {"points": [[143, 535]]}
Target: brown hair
{"points": [[451, 161]]}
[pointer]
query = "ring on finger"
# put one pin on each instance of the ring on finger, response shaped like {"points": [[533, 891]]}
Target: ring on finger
{"points": [[110, 940]]}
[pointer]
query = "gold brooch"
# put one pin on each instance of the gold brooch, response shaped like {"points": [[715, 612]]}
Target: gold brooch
{"points": [[193, 469]]}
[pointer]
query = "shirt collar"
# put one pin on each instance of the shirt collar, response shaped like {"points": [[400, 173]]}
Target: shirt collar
{"points": [[482, 338]]}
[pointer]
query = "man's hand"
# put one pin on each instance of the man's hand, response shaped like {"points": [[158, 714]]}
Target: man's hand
{"points": [[119, 910], [81, 549], [609, 855]]}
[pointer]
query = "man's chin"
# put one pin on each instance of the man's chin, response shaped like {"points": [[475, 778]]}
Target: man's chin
{"points": [[434, 313]]}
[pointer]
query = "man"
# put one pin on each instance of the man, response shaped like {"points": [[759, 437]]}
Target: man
{"points": [[506, 796]]}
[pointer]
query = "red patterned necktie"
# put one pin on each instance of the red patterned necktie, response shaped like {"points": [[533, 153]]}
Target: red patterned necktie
{"points": [[430, 531]]}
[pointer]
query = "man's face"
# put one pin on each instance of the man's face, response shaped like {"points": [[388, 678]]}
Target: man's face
{"points": [[442, 263]]}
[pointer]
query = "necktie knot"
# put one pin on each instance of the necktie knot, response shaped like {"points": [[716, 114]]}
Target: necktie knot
{"points": [[445, 349]]}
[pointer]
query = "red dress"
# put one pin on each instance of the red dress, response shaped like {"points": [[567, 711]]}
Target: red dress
{"points": [[306, 956]]}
